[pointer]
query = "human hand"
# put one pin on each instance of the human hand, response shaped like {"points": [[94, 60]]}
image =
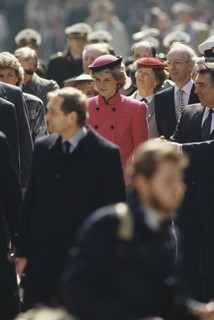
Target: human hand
{"points": [[204, 311], [21, 263]]}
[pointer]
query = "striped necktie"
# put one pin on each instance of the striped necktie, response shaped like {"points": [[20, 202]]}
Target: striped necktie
{"points": [[179, 106]]}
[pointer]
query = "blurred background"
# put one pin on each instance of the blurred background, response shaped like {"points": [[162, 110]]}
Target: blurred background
{"points": [[50, 17]]}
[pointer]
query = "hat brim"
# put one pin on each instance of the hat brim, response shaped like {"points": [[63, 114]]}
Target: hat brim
{"points": [[109, 65]]}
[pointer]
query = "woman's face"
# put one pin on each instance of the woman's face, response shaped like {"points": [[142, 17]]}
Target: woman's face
{"points": [[146, 79], [105, 84], [8, 76]]}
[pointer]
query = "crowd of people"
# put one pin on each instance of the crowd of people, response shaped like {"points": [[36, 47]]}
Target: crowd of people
{"points": [[107, 163]]}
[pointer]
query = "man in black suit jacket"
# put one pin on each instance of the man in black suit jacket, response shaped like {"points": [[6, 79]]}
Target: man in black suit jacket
{"points": [[14, 95], [67, 183], [67, 64], [181, 61], [10, 197], [196, 217], [8, 125]]}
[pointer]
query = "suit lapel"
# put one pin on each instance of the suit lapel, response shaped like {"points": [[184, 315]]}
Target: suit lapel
{"points": [[197, 120], [2, 92]]}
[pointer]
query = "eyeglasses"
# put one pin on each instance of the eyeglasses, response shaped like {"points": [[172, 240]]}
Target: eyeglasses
{"points": [[29, 72], [176, 63]]}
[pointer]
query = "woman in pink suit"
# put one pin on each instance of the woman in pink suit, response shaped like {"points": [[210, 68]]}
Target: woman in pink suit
{"points": [[118, 118]]}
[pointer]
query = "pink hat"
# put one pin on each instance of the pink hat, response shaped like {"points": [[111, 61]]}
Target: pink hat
{"points": [[106, 61], [150, 62]]}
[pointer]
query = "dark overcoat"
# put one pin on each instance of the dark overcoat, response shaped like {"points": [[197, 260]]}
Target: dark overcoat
{"points": [[14, 95], [8, 125], [101, 282], [63, 66], [196, 216], [62, 192], [10, 201]]}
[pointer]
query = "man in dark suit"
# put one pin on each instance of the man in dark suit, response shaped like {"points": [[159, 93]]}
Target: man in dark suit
{"points": [[15, 96], [123, 256], [8, 125], [33, 83], [10, 197], [181, 61], [74, 172], [67, 64], [196, 217]]}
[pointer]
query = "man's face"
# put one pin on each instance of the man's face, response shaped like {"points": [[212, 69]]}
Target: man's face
{"points": [[76, 45], [88, 58], [180, 67], [164, 191], [29, 67], [57, 120], [205, 90]]}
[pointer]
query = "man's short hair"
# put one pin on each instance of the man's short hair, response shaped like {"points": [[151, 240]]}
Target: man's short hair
{"points": [[73, 100], [149, 155], [206, 67]]}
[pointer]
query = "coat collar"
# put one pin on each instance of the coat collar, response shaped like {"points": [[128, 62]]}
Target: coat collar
{"points": [[116, 99], [84, 146], [2, 91]]}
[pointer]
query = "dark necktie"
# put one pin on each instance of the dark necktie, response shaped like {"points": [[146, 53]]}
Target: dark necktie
{"points": [[144, 100], [179, 107], [206, 127], [67, 146]]}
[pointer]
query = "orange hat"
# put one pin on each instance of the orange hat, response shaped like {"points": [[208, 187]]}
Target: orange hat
{"points": [[150, 62]]}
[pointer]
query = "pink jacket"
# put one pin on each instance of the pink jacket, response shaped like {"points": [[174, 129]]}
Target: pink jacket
{"points": [[123, 121]]}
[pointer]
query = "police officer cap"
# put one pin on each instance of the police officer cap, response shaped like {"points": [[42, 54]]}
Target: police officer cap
{"points": [[150, 62], [99, 36], [78, 29], [179, 7], [144, 34], [82, 77], [175, 36], [27, 36], [207, 49], [106, 61]]}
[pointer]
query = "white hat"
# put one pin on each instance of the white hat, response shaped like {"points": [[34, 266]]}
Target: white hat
{"points": [[179, 7], [144, 34], [82, 77], [81, 29], [99, 36], [207, 49], [28, 35], [174, 36]]}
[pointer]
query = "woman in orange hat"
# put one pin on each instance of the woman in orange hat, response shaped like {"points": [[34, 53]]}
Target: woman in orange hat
{"points": [[150, 75]]}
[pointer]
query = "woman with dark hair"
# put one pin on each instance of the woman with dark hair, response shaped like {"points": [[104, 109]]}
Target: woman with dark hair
{"points": [[118, 118]]}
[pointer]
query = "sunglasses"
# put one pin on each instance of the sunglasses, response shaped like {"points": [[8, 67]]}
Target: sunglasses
{"points": [[30, 72]]}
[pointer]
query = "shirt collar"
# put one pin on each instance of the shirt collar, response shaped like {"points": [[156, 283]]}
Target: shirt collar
{"points": [[187, 88], [152, 219], [148, 98], [74, 140]]}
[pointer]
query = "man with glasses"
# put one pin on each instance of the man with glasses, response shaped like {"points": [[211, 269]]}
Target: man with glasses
{"points": [[67, 64], [170, 103], [33, 83]]}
